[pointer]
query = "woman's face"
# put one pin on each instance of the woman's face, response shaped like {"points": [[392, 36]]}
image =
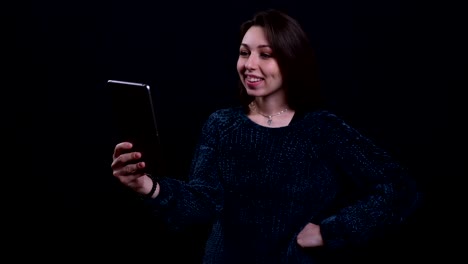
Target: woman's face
{"points": [[258, 69]]}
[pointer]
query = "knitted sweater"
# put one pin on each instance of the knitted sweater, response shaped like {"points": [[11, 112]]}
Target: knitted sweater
{"points": [[260, 186]]}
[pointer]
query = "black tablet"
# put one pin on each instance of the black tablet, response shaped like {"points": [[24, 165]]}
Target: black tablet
{"points": [[134, 119]]}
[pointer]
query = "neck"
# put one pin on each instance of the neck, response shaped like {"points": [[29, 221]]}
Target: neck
{"points": [[253, 107], [267, 108]]}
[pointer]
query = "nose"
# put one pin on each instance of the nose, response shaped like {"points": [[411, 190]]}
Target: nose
{"points": [[251, 63]]}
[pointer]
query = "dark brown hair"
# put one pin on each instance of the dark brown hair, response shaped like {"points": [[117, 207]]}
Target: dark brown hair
{"points": [[295, 57]]}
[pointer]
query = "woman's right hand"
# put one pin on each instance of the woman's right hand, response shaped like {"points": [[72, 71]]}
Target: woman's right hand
{"points": [[127, 167]]}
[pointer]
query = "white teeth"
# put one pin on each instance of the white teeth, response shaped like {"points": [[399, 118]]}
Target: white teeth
{"points": [[251, 79]]}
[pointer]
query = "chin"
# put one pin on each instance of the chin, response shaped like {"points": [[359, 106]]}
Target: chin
{"points": [[255, 93]]}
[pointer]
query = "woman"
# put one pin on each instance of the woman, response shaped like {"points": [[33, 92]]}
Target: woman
{"points": [[280, 179]]}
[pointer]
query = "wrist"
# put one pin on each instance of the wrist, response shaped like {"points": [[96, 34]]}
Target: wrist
{"points": [[154, 186]]}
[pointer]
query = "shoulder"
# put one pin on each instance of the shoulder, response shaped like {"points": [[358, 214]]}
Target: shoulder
{"points": [[224, 117], [327, 122], [226, 113], [323, 118]]}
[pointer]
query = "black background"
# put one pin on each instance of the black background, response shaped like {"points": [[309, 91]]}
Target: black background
{"points": [[390, 68]]}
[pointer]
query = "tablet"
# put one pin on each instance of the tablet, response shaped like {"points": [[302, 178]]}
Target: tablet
{"points": [[134, 120]]}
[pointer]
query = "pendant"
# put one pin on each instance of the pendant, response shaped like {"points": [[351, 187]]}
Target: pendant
{"points": [[269, 121]]}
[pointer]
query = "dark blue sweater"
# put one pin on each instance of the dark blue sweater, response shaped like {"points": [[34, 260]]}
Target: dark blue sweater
{"points": [[260, 186]]}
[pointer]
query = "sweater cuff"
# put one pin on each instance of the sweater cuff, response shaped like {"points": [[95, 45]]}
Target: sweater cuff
{"points": [[332, 234]]}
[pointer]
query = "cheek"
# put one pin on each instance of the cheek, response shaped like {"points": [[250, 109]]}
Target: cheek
{"points": [[240, 66], [273, 71]]}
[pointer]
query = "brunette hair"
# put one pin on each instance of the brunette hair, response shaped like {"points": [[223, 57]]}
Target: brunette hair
{"points": [[295, 56]]}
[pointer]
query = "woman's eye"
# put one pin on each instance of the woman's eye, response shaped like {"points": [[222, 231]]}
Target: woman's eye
{"points": [[243, 53], [265, 55]]}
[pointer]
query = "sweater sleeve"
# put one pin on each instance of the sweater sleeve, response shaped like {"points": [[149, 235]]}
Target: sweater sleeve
{"points": [[387, 194], [181, 203]]}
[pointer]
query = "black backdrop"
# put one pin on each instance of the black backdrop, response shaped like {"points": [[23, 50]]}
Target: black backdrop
{"points": [[388, 67]]}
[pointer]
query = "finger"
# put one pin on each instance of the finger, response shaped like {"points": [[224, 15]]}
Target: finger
{"points": [[310, 241], [310, 236], [132, 169], [126, 159], [129, 170], [120, 148]]}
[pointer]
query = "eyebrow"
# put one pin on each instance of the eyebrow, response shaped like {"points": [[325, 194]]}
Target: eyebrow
{"points": [[259, 46]]}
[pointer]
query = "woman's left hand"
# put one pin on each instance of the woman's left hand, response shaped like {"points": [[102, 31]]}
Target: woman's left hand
{"points": [[310, 236]]}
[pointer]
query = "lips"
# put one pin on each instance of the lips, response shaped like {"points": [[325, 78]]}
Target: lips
{"points": [[252, 80]]}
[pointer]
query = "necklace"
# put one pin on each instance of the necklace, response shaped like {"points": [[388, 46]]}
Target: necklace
{"points": [[253, 106]]}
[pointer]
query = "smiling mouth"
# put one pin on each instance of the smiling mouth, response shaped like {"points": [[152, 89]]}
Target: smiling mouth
{"points": [[251, 79]]}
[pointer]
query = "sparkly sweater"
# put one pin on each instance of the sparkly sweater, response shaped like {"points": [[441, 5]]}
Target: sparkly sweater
{"points": [[260, 186]]}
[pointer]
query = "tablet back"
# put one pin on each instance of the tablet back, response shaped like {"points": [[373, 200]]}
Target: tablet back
{"points": [[134, 118]]}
